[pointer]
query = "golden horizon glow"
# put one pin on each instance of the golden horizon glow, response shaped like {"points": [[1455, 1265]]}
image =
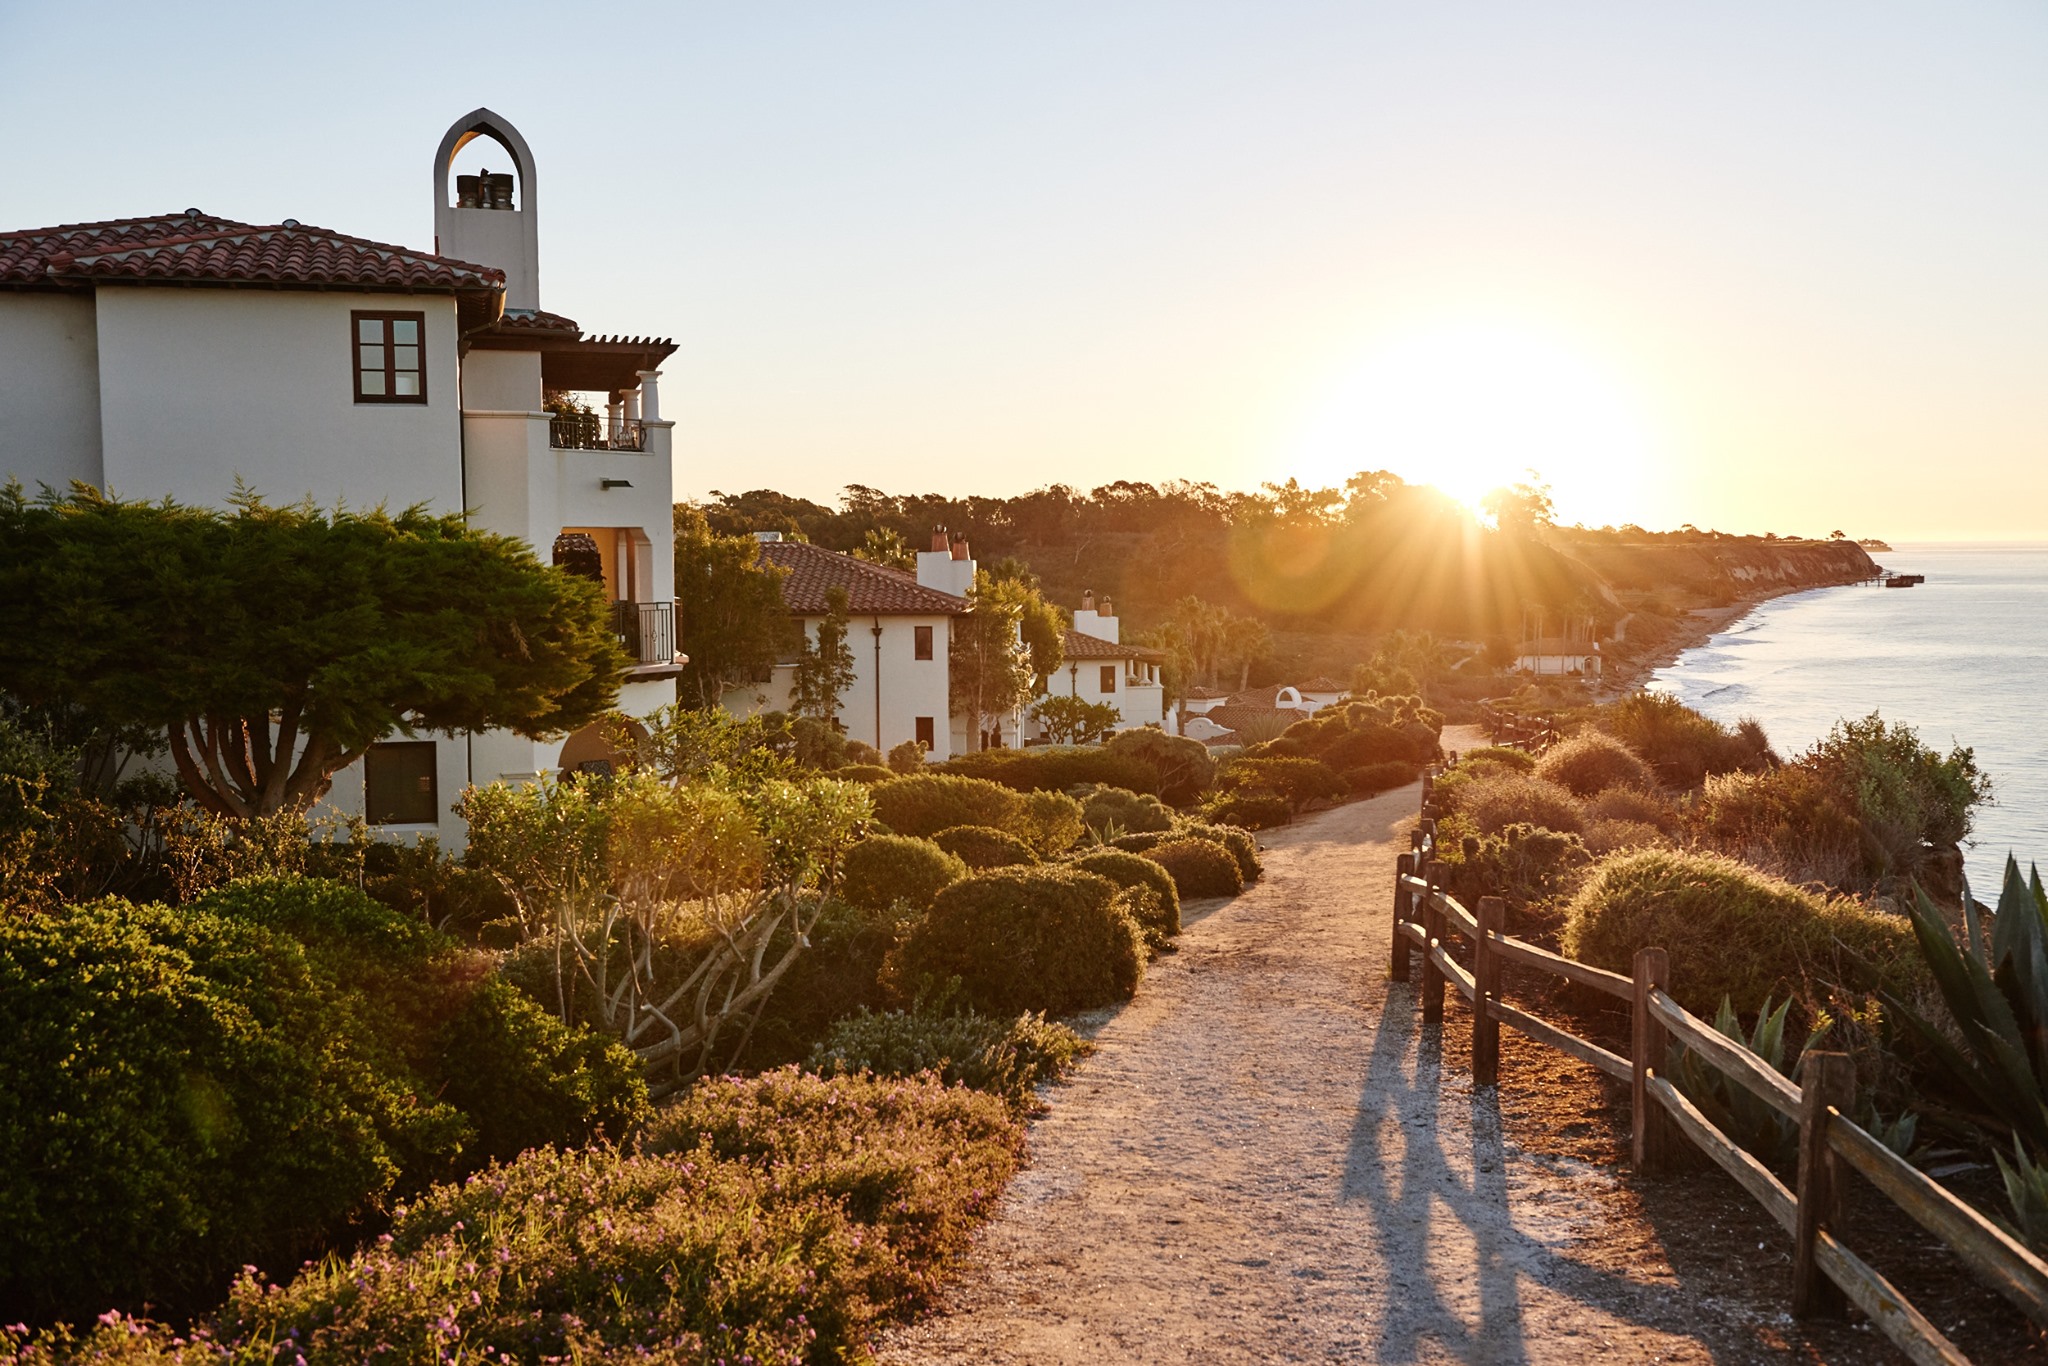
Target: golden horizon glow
{"points": [[1471, 406]]}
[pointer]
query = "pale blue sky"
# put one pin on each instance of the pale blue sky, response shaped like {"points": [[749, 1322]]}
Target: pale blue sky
{"points": [[1784, 261]]}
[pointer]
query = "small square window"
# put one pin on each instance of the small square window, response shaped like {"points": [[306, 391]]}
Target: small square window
{"points": [[927, 734], [390, 360], [1109, 678], [401, 784], [923, 641]]}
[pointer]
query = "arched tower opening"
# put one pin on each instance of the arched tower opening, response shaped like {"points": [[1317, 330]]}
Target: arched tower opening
{"points": [[484, 203]]}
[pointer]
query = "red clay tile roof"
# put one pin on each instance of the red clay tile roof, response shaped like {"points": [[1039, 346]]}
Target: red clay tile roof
{"points": [[871, 589], [1199, 694], [1237, 718], [196, 248], [1320, 683], [1265, 699], [536, 320], [1081, 646]]}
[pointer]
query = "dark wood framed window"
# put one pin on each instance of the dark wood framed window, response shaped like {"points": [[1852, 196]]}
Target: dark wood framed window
{"points": [[1109, 678], [923, 641], [927, 734], [390, 352], [401, 784]]}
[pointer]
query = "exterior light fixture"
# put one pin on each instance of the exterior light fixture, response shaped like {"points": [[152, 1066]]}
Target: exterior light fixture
{"points": [[610, 484]]}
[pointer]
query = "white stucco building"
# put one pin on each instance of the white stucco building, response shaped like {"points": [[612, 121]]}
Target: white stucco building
{"points": [[900, 629], [171, 355], [1552, 645], [1099, 667]]}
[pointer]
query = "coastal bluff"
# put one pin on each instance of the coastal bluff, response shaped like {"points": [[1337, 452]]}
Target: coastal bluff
{"points": [[1725, 567]]}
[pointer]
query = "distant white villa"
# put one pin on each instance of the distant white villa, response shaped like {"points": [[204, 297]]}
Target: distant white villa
{"points": [[170, 355]]}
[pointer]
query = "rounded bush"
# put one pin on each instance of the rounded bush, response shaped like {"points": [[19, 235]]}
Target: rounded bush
{"points": [[1300, 781], [1057, 768], [1006, 1057], [1373, 779], [1684, 747], [1129, 812], [1249, 810], [1237, 840], [1495, 801], [863, 753], [923, 804], [1591, 762], [980, 847], [1374, 744], [1049, 938], [1501, 756], [1052, 822], [1134, 870], [238, 1079], [1185, 767], [1523, 865], [863, 773], [1606, 836], [907, 757], [1140, 842], [884, 869], [1629, 804], [1730, 930], [1199, 867]]}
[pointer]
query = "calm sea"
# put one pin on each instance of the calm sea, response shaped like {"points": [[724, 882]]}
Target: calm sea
{"points": [[1963, 658]]}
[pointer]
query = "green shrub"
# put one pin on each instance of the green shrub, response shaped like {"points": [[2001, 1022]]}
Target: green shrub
{"points": [[1522, 864], [1905, 792], [1789, 821], [1199, 867], [1730, 930], [1376, 745], [1237, 840], [778, 1219], [1049, 938], [1111, 808], [1605, 836], [1373, 779], [884, 869], [1682, 746], [1052, 823], [980, 847], [907, 757], [925, 803], [1627, 804], [1495, 801], [863, 773], [1008, 1058], [1591, 762], [237, 1080], [1500, 756], [1248, 810], [1162, 922], [1300, 781], [1185, 767], [1143, 840], [1057, 768], [862, 753]]}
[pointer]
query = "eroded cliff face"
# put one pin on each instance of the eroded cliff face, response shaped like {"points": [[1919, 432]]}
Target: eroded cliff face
{"points": [[1729, 565]]}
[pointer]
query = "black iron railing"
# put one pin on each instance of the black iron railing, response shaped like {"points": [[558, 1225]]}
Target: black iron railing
{"points": [[647, 630], [595, 432]]}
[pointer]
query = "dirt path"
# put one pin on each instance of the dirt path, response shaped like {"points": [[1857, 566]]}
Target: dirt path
{"points": [[1265, 1162]]}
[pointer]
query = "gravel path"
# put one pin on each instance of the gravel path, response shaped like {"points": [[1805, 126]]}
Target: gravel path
{"points": [[1265, 1162]]}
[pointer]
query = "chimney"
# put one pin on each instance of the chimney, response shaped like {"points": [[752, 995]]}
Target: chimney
{"points": [[939, 541], [1087, 599], [960, 548], [947, 566], [1096, 618]]}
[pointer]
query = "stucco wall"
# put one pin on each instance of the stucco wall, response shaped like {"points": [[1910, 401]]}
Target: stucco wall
{"points": [[49, 390], [1140, 704], [911, 687], [198, 386]]}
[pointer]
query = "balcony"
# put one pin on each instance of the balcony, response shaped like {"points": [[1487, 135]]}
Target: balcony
{"points": [[595, 432], [647, 630]]}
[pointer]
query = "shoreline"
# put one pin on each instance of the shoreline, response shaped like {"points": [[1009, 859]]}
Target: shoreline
{"points": [[1696, 628]]}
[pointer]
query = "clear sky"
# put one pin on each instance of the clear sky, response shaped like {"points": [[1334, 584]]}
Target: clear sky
{"points": [[1759, 266]]}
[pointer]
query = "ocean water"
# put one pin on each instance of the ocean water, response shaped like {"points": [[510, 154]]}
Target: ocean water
{"points": [[1963, 658]]}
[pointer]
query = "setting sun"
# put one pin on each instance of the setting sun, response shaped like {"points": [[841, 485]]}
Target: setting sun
{"points": [[1470, 407]]}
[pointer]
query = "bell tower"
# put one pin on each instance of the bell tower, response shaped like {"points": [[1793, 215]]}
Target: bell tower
{"points": [[489, 218]]}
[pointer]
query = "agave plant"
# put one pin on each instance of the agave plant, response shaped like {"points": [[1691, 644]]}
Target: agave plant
{"points": [[1998, 1000], [1755, 1126], [2026, 1186]]}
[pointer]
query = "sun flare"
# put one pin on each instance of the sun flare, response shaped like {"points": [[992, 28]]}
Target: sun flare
{"points": [[1471, 407]]}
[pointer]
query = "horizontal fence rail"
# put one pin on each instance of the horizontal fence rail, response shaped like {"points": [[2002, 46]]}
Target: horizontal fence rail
{"points": [[1428, 922]]}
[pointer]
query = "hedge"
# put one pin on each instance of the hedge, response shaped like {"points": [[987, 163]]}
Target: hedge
{"points": [[1006, 1057], [1135, 870], [980, 847], [1056, 768], [1185, 767], [1590, 763], [1107, 808], [884, 869], [926, 803], [1047, 938], [1199, 867]]}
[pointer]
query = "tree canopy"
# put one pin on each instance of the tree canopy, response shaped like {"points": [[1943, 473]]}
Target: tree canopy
{"points": [[735, 627], [272, 646]]}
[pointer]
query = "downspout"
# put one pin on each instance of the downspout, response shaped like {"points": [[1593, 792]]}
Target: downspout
{"points": [[878, 683]]}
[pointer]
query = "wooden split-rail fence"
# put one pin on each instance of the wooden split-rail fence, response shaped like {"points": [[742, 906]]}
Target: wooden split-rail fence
{"points": [[1825, 1273], [1515, 730]]}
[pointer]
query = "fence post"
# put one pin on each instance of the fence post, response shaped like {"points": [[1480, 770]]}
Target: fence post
{"points": [[1486, 970], [1397, 960], [1648, 1127], [1432, 931], [1826, 1079]]}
